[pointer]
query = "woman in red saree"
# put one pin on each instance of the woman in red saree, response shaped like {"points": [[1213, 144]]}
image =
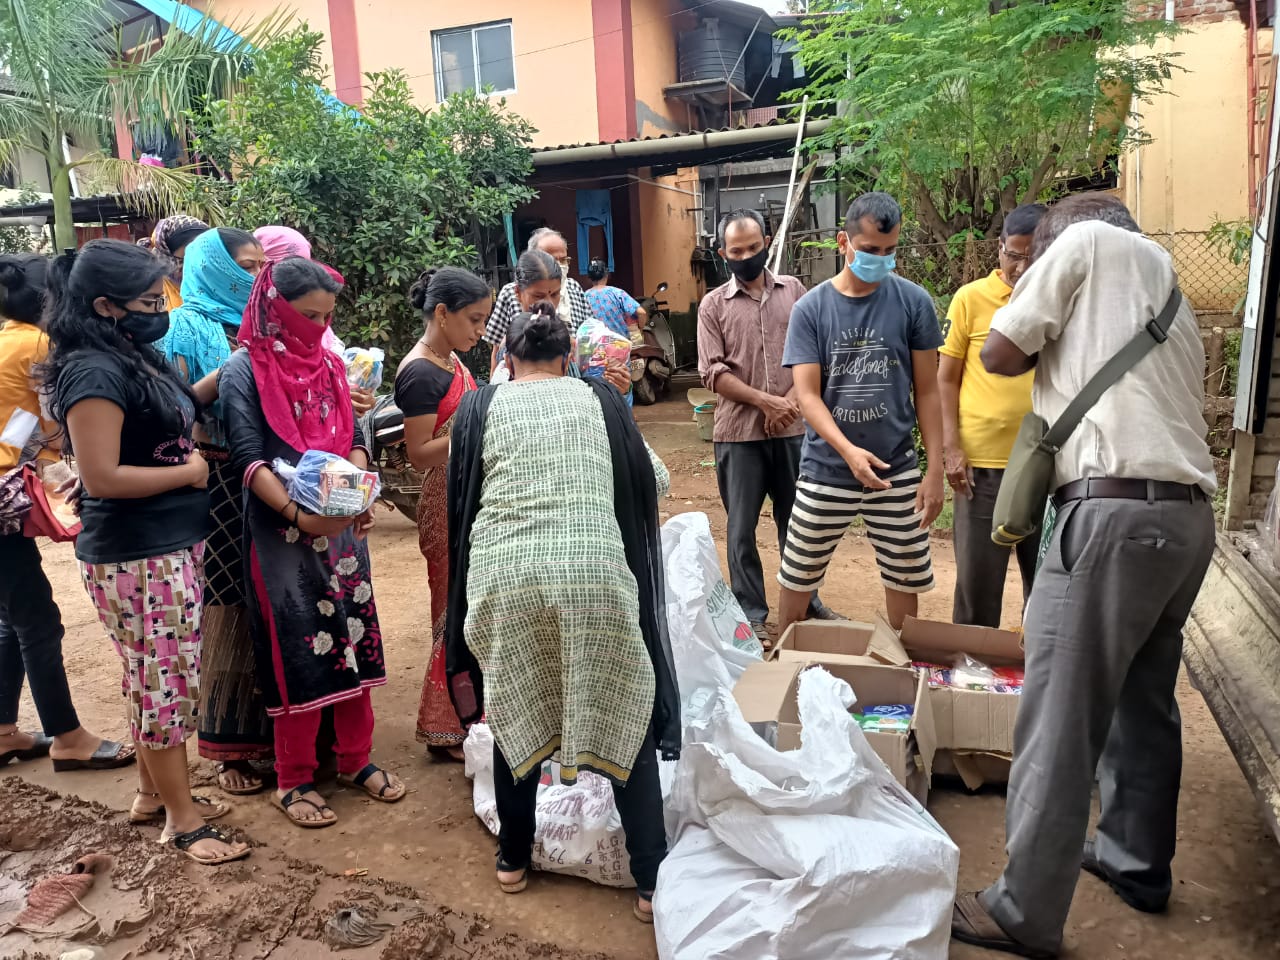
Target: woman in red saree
{"points": [[430, 383]]}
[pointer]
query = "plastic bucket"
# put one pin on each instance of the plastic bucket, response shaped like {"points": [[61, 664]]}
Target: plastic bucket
{"points": [[705, 414]]}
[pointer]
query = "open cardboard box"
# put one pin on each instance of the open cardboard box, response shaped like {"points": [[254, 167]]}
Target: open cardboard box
{"points": [[839, 641], [974, 726], [767, 693]]}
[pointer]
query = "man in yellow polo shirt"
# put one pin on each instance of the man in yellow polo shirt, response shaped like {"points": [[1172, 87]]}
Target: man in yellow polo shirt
{"points": [[981, 413]]}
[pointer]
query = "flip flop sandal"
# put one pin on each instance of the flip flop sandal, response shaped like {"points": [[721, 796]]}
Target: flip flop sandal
{"points": [[972, 924], [106, 757], [360, 781], [209, 809], [183, 842], [644, 916], [34, 752], [516, 886], [246, 772], [294, 797]]}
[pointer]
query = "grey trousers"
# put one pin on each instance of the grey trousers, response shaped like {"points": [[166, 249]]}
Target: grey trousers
{"points": [[981, 565], [747, 472], [1103, 635]]}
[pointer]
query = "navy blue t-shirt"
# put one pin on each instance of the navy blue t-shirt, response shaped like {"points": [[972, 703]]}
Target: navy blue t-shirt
{"points": [[864, 346]]}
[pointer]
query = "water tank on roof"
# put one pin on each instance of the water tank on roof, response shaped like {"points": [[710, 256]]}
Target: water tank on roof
{"points": [[711, 52]]}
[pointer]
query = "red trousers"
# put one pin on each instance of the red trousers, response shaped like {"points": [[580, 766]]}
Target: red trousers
{"points": [[296, 740]]}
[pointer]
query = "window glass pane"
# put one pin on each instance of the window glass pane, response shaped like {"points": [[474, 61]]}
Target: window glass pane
{"points": [[497, 66], [455, 64]]}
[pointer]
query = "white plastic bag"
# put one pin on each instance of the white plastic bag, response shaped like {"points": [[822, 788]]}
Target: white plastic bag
{"points": [[711, 641], [579, 832], [806, 855]]}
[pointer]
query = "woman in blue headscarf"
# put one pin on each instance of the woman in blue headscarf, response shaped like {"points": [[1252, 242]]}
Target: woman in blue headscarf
{"points": [[218, 273]]}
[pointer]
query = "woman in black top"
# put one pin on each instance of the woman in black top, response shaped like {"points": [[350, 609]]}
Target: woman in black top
{"points": [[430, 383], [145, 511]]}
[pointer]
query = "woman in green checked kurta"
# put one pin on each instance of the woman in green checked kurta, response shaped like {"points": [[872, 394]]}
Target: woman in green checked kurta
{"points": [[556, 624]]}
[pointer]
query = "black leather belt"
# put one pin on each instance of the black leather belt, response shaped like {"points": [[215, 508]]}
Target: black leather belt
{"points": [[1121, 488]]}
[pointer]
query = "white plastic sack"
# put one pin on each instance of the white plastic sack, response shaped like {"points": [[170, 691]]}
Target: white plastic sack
{"points": [[806, 855], [711, 640], [579, 832]]}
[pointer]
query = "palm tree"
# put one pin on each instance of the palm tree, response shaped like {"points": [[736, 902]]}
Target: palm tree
{"points": [[65, 70]]}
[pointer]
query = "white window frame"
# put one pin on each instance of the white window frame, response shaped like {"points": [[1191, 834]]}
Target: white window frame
{"points": [[473, 30]]}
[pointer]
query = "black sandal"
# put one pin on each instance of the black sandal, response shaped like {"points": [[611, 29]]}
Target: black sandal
{"points": [[360, 781], [295, 796], [518, 885], [108, 756], [39, 748], [183, 842]]}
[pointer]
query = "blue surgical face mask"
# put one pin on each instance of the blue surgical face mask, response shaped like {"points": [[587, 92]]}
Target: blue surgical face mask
{"points": [[870, 268]]}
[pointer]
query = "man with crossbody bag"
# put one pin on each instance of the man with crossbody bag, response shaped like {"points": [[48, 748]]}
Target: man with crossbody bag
{"points": [[1132, 482]]}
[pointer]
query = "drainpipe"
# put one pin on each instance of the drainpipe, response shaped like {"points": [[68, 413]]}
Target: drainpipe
{"points": [[1251, 104]]}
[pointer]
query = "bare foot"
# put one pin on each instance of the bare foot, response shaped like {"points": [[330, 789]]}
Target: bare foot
{"points": [[457, 753], [238, 777]]}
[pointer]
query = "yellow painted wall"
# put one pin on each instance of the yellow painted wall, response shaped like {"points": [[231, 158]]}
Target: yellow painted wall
{"points": [[669, 232], [1196, 169], [654, 25]]}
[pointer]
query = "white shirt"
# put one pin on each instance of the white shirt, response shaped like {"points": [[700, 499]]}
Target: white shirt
{"points": [[1093, 290]]}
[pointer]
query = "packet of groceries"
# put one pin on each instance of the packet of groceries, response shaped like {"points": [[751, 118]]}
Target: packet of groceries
{"points": [[598, 346], [364, 367], [326, 484]]}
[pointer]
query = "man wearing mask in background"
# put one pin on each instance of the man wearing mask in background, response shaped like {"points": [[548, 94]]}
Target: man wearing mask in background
{"points": [[860, 345], [981, 414], [742, 327], [574, 309]]}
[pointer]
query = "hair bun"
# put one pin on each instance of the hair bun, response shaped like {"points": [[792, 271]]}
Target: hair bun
{"points": [[11, 273], [544, 308], [418, 292]]}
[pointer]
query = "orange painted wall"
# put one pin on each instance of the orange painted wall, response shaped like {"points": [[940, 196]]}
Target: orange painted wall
{"points": [[668, 226], [552, 39], [654, 25], [234, 13], [554, 55]]}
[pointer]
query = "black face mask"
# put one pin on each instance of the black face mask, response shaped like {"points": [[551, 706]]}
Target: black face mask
{"points": [[144, 327], [749, 268]]}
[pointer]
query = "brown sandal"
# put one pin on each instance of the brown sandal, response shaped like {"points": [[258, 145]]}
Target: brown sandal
{"points": [[972, 924], [209, 808]]}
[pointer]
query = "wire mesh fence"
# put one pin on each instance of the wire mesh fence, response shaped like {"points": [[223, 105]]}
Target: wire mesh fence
{"points": [[1210, 279]]}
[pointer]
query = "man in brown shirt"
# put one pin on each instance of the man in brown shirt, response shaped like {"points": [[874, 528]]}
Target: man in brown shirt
{"points": [[742, 329]]}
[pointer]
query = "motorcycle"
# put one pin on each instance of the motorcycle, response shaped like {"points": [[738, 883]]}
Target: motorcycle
{"points": [[401, 483], [653, 356]]}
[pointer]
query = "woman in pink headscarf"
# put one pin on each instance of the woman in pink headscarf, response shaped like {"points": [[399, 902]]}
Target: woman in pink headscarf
{"points": [[279, 242]]}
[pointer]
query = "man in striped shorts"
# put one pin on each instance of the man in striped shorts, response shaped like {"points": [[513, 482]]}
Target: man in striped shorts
{"points": [[859, 346]]}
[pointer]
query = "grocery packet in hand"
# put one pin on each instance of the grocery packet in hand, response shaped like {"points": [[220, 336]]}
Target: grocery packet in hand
{"points": [[326, 484], [598, 346], [364, 367]]}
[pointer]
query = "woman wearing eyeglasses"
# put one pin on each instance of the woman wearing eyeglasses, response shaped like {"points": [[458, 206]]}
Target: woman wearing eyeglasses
{"points": [[128, 418]]}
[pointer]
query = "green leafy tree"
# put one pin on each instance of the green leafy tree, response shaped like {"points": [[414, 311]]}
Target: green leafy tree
{"points": [[21, 239], [964, 109], [64, 71], [382, 193]]}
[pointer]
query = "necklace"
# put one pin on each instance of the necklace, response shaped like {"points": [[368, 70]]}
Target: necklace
{"points": [[448, 363]]}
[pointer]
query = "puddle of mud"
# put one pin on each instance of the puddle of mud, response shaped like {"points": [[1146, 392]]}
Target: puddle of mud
{"points": [[269, 906]]}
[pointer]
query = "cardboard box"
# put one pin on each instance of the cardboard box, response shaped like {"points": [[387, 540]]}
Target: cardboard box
{"points": [[975, 769], [767, 694], [968, 719], [839, 641]]}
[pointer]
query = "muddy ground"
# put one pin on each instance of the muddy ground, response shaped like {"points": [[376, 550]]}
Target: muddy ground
{"points": [[429, 857]]}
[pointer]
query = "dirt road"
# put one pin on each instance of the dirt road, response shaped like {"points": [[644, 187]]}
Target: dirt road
{"points": [[431, 851]]}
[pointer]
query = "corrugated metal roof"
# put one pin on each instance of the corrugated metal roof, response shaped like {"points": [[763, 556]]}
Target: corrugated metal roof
{"points": [[775, 122]]}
